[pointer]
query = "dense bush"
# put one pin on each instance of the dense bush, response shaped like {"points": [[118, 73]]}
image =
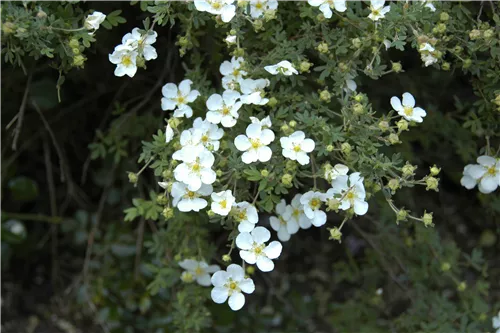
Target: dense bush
{"points": [[323, 153]]}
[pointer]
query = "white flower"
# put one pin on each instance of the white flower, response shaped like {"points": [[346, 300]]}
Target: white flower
{"points": [[467, 180], [232, 72], [169, 134], [295, 212], [337, 170], [200, 270], [253, 248], [351, 193], [210, 133], [259, 7], [224, 109], [326, 5], [253, 91], [247, 216], [427, 54], [429, 5], [254, 144], [222, 202], [231, 283], [177, 98], [186, 200], [231, 39], [296, 147], [142, 43], [125, 59], [93, 21], [224, 8], [283, 67], [378, 9], [283, 224], [265, 122], [312, 202], [191, 142], [196, 168], [387, 44], [495, 322], [486, 174], [408, 110], [350, 86]]}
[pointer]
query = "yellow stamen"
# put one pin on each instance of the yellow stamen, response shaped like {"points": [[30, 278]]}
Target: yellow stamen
{"points": [[126, 61], [225, 110], [296, 148], [190, 194], [198, 271], [255, 143], [223, 203], [204, 138], [492, 170], [315, 203], [408, 111]]}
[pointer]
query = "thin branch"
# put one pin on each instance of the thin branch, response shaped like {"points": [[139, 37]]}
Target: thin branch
{"points": [[20, 114], [53, 209]]}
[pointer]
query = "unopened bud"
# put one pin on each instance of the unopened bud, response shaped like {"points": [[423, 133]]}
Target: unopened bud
{"points": [[264, 173], [393, 184], [226, 258], [427, 219], [435, 170], [168, 213], [329, 148], [305, 66], [187, 277], [323, 47], [394, 138], [292, 123], [397, 67], [383, 125], [325, 96], [358, 109], [287, 179], [132, 177], [346, 148], [432, 183], [250, 270], [402, 125], [272, 102], [402, 215], [408, 170], [335, 234], [445, 266]]}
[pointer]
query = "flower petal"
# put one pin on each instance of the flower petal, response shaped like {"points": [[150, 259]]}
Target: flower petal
{"points": [[396, 104], [273, 250], [244, 241], [265, 264], [408, 100], [219, 294], [236, 272], [260, 235], [220, 278], [237, 300]]}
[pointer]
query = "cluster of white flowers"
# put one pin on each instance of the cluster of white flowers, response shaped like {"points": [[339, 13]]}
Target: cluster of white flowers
{"points": [[135, 49], [427, 54], [407, 108], [259, 8], [225, 8], [485, 174], [378, 10]]}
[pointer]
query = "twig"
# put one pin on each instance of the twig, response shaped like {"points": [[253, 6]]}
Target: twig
{"points": [[138, 247], [53, 209], [33, 217], [20, 114]]}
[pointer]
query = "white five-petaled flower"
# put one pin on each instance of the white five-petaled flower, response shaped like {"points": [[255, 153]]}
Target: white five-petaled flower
{"points": [[178, 98], [427, 52], [296, 147], [265, 122], [247, 216], [378, 10], [232, 70], [486, 174], [254, 144], [253, 91], [224, 8], [142, 43], [230, 283], [186, 200], [259, 7], [335, 171], [93, 21], [428, 4], [284, 67], [325, 6], [224, 109], [312, 202], [407, 109], [351, 193], [295, 212], [124, 57], [495, 322], [191, 142], [222, 202], [210, 133], [196, 168], [283, 224], [253, 248], [169, 134], [199, 270]]}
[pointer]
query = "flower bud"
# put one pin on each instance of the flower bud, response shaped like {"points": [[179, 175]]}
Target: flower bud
{"points": [[226, 258], [292, 123], [458, 49], [402, 215], [376, 187], [75, 51], [250, 270], [290, 165], [346, 148], [333, 204], [358, 109], [408, 170], [360, 98], [497, 99], [488, 34], [432, 183], [383, 125], [132, 177], [325, 96], [272, 102], [73, 43], [232, 32], [41, 14], [187, 277], [444, 16], [474, 34], [320, 17], [183, 41], [467, 63], [218, 172], [446, 66], [141, 62], [393, 184], [285, 128], [305, 66], [329, 148], [287, 179], [264, 173], [402, 125], [322, 47], [239, 52], [397, 67], [335, 234], [174, 122], [257, 25], [8, 28], [343, 67], [394, 138], [78, 60], [168, 213], [210, 213], [161, 199], [356, 42], [462, 286], [242, 3], [435, 170], [427, 219], [445, 266]]}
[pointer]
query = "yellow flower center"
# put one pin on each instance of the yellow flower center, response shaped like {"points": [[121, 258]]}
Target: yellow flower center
{"points": [[408, 110], [223, 203], [375, 12], [225, 110], [296, 148], [196, 167], [259, 5], [233, 285], [255, 143], [242, 215], [236, 72], [191, 194], [181, 99], [282, 221], [492, 170], [315, 203], [350, 195], [126, 61], [198, 271], [204, 138], [296, 212], [258, 249]]}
